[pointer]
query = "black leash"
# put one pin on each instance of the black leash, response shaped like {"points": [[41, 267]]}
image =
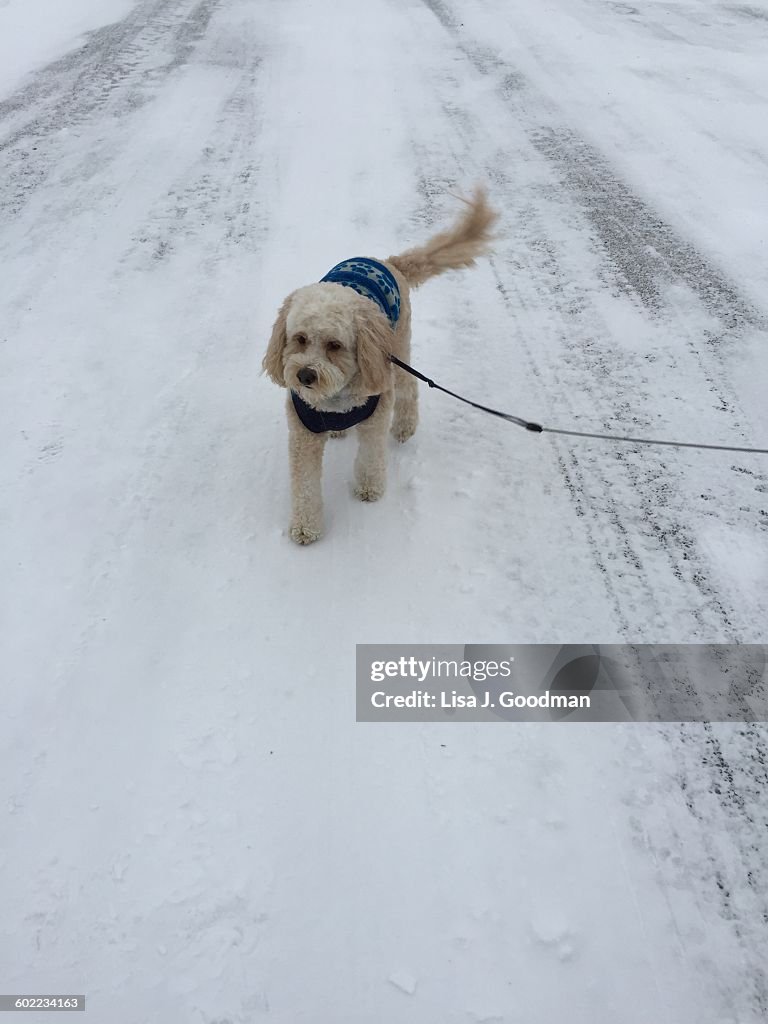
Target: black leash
{"points": [[537, 428]]}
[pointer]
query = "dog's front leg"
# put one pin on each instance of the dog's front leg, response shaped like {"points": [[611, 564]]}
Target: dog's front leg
{"points": [[306, 458], [371, 461]]}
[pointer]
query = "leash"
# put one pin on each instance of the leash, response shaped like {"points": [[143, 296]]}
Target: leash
{"points": [[537, 428]]}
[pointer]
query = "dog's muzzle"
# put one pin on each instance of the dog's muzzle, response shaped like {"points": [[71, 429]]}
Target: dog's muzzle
{"points": [[306, 376]]}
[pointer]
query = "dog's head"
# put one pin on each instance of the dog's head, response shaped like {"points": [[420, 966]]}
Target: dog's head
{"points": [[326, 339]]}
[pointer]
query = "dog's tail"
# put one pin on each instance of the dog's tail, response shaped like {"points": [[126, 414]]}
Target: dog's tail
{"points": [[458, 247]]}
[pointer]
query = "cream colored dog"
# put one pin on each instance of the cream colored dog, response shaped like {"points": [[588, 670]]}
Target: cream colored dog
{"points": [[330, 346]]}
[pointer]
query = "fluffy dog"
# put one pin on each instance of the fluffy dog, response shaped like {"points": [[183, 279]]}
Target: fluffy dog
{"points": [[330, 347]]}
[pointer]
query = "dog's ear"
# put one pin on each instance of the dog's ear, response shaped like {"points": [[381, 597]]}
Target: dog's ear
{"points": [[374, 343], [273, 359]]}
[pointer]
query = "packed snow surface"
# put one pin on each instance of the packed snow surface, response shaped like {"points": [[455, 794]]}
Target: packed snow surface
{"points": [[195, 829]]}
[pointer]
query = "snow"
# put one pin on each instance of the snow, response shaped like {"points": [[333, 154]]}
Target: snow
{"points": [[196, 829], [34, 34], [674, 94], [404, 981]]}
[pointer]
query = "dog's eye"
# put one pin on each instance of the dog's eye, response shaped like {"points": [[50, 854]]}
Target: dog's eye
{"points": [[300, 339], [334, 346]]}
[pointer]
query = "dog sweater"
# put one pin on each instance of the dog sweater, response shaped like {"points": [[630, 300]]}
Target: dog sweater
{"points": [[371, 279], [320, 422]]}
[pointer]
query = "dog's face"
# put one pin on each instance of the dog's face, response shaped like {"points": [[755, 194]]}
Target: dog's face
{"points": [[327, 339], [319, 357]]}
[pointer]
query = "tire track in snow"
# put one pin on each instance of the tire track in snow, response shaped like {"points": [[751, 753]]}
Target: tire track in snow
{"points": [[611, 534], [219, 192], [213, 209], [734, 759], [216, 191], [725, 800], [645, 251], [602, 480], [641, 256], [115, 71]]}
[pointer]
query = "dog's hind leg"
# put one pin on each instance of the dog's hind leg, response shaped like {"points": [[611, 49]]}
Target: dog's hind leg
{"points": [[406, 416]]}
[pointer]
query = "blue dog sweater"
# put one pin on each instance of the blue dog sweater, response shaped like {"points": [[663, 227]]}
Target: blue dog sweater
{"points": [[320, 422], [371, 279]]}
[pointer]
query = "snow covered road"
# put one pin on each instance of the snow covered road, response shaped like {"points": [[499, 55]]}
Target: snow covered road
{"points": [[195, 828]]}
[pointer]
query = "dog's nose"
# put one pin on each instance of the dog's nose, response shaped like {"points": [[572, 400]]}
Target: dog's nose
{"points": [[306, 376]]}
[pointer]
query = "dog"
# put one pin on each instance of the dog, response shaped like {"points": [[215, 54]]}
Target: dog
{"points": [[330, 347]]}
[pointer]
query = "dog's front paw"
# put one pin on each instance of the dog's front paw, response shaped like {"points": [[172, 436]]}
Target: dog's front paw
{"points": [[370, 490], [303, 532]]}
